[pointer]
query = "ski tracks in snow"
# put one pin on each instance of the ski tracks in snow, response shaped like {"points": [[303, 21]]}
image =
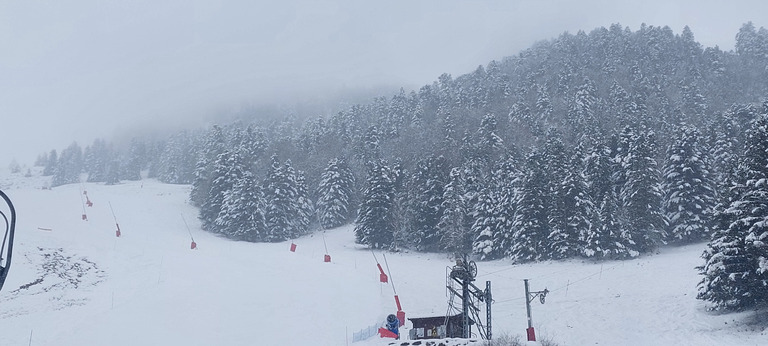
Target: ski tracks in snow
{"points": [[59, 280]]}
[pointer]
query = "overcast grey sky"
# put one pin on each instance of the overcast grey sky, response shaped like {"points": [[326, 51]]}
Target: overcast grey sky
{"points": [[79, 70]]}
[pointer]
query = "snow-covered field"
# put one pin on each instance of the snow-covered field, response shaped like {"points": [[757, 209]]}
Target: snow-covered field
{"points": [[73, 282]]}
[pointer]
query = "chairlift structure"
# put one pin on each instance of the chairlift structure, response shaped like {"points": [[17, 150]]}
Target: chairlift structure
{"points": [[6, 249], [459, 282]]}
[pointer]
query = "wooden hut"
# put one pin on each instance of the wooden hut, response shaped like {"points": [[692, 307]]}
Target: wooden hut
{"points": [[438, 327]]}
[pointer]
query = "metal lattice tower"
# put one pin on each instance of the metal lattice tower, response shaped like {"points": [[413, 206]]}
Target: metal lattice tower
{"points": [[463, 274]]}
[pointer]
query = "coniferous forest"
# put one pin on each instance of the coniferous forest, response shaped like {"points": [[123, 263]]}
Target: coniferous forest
{"points": [[602, 145]]}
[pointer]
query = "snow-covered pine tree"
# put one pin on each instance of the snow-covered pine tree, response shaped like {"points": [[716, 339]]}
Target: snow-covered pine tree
{"points": [[303, 210], [96, 157], [112, 174], [640, 194], [694, 105], [490, 145], [562, 240], [486, 226], [370, 152], [227, 171], [604, 238], [725, 260], [448, 130], [619, 147], [497, 84], [506, 180], [624, 107], [728, 131], [751, 45], [470, 152], [599, 171], [374, 225], [416, 113], [531, 220], [446, 95], [521, 114], [177, 162], [476, 95], [213, 146], [135, 161], [736, 260], [400, 211], [688, 193], [41, 160], [579, 210], [582, 115], [344, 128], [473, 182], [311, 138], [154, 154], [724, 161], [242, 210], [495, 212], [543, 105], [276, 200], [727, 266], [68, 166], [50, 163], [426, 201], [453, 224], [394, 119], [334, 194], [752, 208], [281, 199], [255, 143]]}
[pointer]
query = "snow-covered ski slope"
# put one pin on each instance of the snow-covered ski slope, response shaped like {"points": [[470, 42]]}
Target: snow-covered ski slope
{"points": [[74, 283]]}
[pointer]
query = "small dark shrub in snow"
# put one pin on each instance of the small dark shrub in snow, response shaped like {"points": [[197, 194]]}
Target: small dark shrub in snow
{"points": [[504, 340], [508, 340]]}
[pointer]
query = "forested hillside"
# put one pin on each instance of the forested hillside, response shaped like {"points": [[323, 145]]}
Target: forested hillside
{"points": [[600, 145]]}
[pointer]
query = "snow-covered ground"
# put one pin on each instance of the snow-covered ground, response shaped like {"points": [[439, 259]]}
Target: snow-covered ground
{"points": [[73, 282]]}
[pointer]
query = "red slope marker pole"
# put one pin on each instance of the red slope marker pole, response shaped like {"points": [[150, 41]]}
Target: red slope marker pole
{"points": [[327, 257], [382, 277], [400, 312], [85, 217], [193, 245], [85, 193], [117, 232]]}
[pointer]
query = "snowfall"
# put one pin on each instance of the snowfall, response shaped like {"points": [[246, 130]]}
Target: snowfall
{"points": [[73, 282]]}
